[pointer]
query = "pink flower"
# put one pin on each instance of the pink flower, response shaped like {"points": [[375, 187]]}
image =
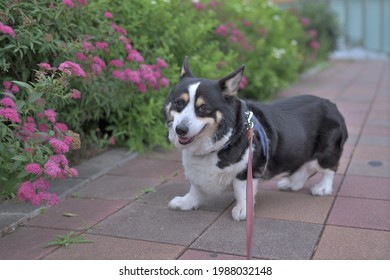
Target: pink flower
{"points": [[198, 6], [68, 140], [10, 114], [99, 61], [68, 3], [8, 102], [221, 30], [132, 76], [83, 2], [45, 66], [312, 33], [96, 69], [50, 115], [118, 29], [111, 140], [58, 146], [15, 88], [314, 44], [107, 14], [304, 21], [33, 168], [116, 63], [59, 160], [134, 55], [35, 192], [103, 46], [161, 63], [87, 46], [7, 30], [52, 169], [72, 68], [245, 23], [80, 56], [61, 127], [75, 94], [141, 87], [118, 74], [164, 82], [7, 84], [71, 172]]}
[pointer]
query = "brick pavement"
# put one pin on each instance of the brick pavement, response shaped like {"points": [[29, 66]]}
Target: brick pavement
{"points": [[123, 208]]}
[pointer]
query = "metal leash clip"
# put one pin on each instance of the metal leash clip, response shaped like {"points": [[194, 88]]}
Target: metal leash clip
{"points": [[249, 123]]}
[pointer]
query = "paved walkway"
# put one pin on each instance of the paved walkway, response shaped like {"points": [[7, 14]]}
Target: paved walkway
{"points": [[120, 203]]}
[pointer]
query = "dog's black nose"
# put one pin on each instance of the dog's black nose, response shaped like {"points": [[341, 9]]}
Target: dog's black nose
{"points": [[181, 130]]}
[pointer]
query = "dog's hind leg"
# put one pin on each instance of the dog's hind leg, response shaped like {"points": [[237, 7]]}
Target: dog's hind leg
{"points": [[324, 187], [239, 186], [297, 180], [188, 202]]}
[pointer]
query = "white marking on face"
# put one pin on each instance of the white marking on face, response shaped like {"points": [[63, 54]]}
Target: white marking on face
{"points": [[187, 116]]}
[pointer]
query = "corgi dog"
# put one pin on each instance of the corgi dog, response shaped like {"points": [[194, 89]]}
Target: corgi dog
{"points": [[206, 120]]}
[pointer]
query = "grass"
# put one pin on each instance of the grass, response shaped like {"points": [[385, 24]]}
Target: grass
{"points": [[67, 239]]}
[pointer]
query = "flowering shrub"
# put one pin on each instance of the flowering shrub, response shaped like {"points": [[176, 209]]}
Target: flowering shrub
{"points": [[321, 29], [33, 143], [266, 39]]}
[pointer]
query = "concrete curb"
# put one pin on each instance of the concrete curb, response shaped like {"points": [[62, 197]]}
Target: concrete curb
{"points": [[14, 213]]}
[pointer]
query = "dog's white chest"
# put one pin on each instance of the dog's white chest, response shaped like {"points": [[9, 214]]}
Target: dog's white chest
{"points": [[204, 173]]}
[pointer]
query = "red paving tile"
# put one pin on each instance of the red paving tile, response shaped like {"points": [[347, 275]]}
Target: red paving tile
{"points": [[204, 255], [353, 244], [366, 187], [110, 248], [361, 213], [84, 213], [149, 168], [28, 243], [292, 206], [118, 187]]}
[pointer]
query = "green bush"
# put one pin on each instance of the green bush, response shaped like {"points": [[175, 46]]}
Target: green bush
{"points": [[266, 39]]}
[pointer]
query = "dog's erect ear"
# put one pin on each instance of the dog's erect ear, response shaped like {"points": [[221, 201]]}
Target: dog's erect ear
{"points": [[231, 83], [185, 70]]}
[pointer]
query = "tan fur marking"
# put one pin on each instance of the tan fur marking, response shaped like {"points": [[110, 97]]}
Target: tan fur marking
{"points": [[200, 101], [185, 96], [219, 116]]}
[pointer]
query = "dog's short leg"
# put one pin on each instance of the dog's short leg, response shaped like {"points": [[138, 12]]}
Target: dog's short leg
{"points": [[298, 179], [188, 202], [324, 187], [239, 211]]}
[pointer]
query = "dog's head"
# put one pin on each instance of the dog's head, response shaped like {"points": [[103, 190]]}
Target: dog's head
{"points": [[199, 112]]}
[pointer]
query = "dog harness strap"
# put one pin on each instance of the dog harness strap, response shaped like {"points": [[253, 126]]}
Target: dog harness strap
{"points": [[249, 198]]}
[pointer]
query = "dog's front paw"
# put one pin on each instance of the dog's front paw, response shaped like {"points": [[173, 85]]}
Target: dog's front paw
{"points": [[284, 184], [182, 203], [322, 189], [239, 212]]}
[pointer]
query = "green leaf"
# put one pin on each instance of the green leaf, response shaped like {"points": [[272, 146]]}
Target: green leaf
{"points": [[20, 158]]}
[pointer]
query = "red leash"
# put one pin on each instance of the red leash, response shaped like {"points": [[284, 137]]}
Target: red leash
{"points": [[249, 197]]}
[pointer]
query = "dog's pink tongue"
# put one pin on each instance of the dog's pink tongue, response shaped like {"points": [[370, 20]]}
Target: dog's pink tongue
{"points": [[184, 140]]}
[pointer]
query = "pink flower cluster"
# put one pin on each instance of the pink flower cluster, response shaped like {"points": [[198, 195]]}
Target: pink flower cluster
{"points": [[146, 75], [8, 110], [36, 192], [138, 73], [231, 32], [35, 131], [7, 30], [70, 4], [71, 68]]}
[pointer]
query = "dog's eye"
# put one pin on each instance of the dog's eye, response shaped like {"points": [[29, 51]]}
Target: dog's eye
{"points": [[179, 104], [203, 109]]}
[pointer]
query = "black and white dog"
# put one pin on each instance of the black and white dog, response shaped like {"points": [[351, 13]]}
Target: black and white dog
{"points": [[296, 136]]}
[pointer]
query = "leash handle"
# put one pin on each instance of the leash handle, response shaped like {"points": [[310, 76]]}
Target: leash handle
{"points": [[249, 198]]}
